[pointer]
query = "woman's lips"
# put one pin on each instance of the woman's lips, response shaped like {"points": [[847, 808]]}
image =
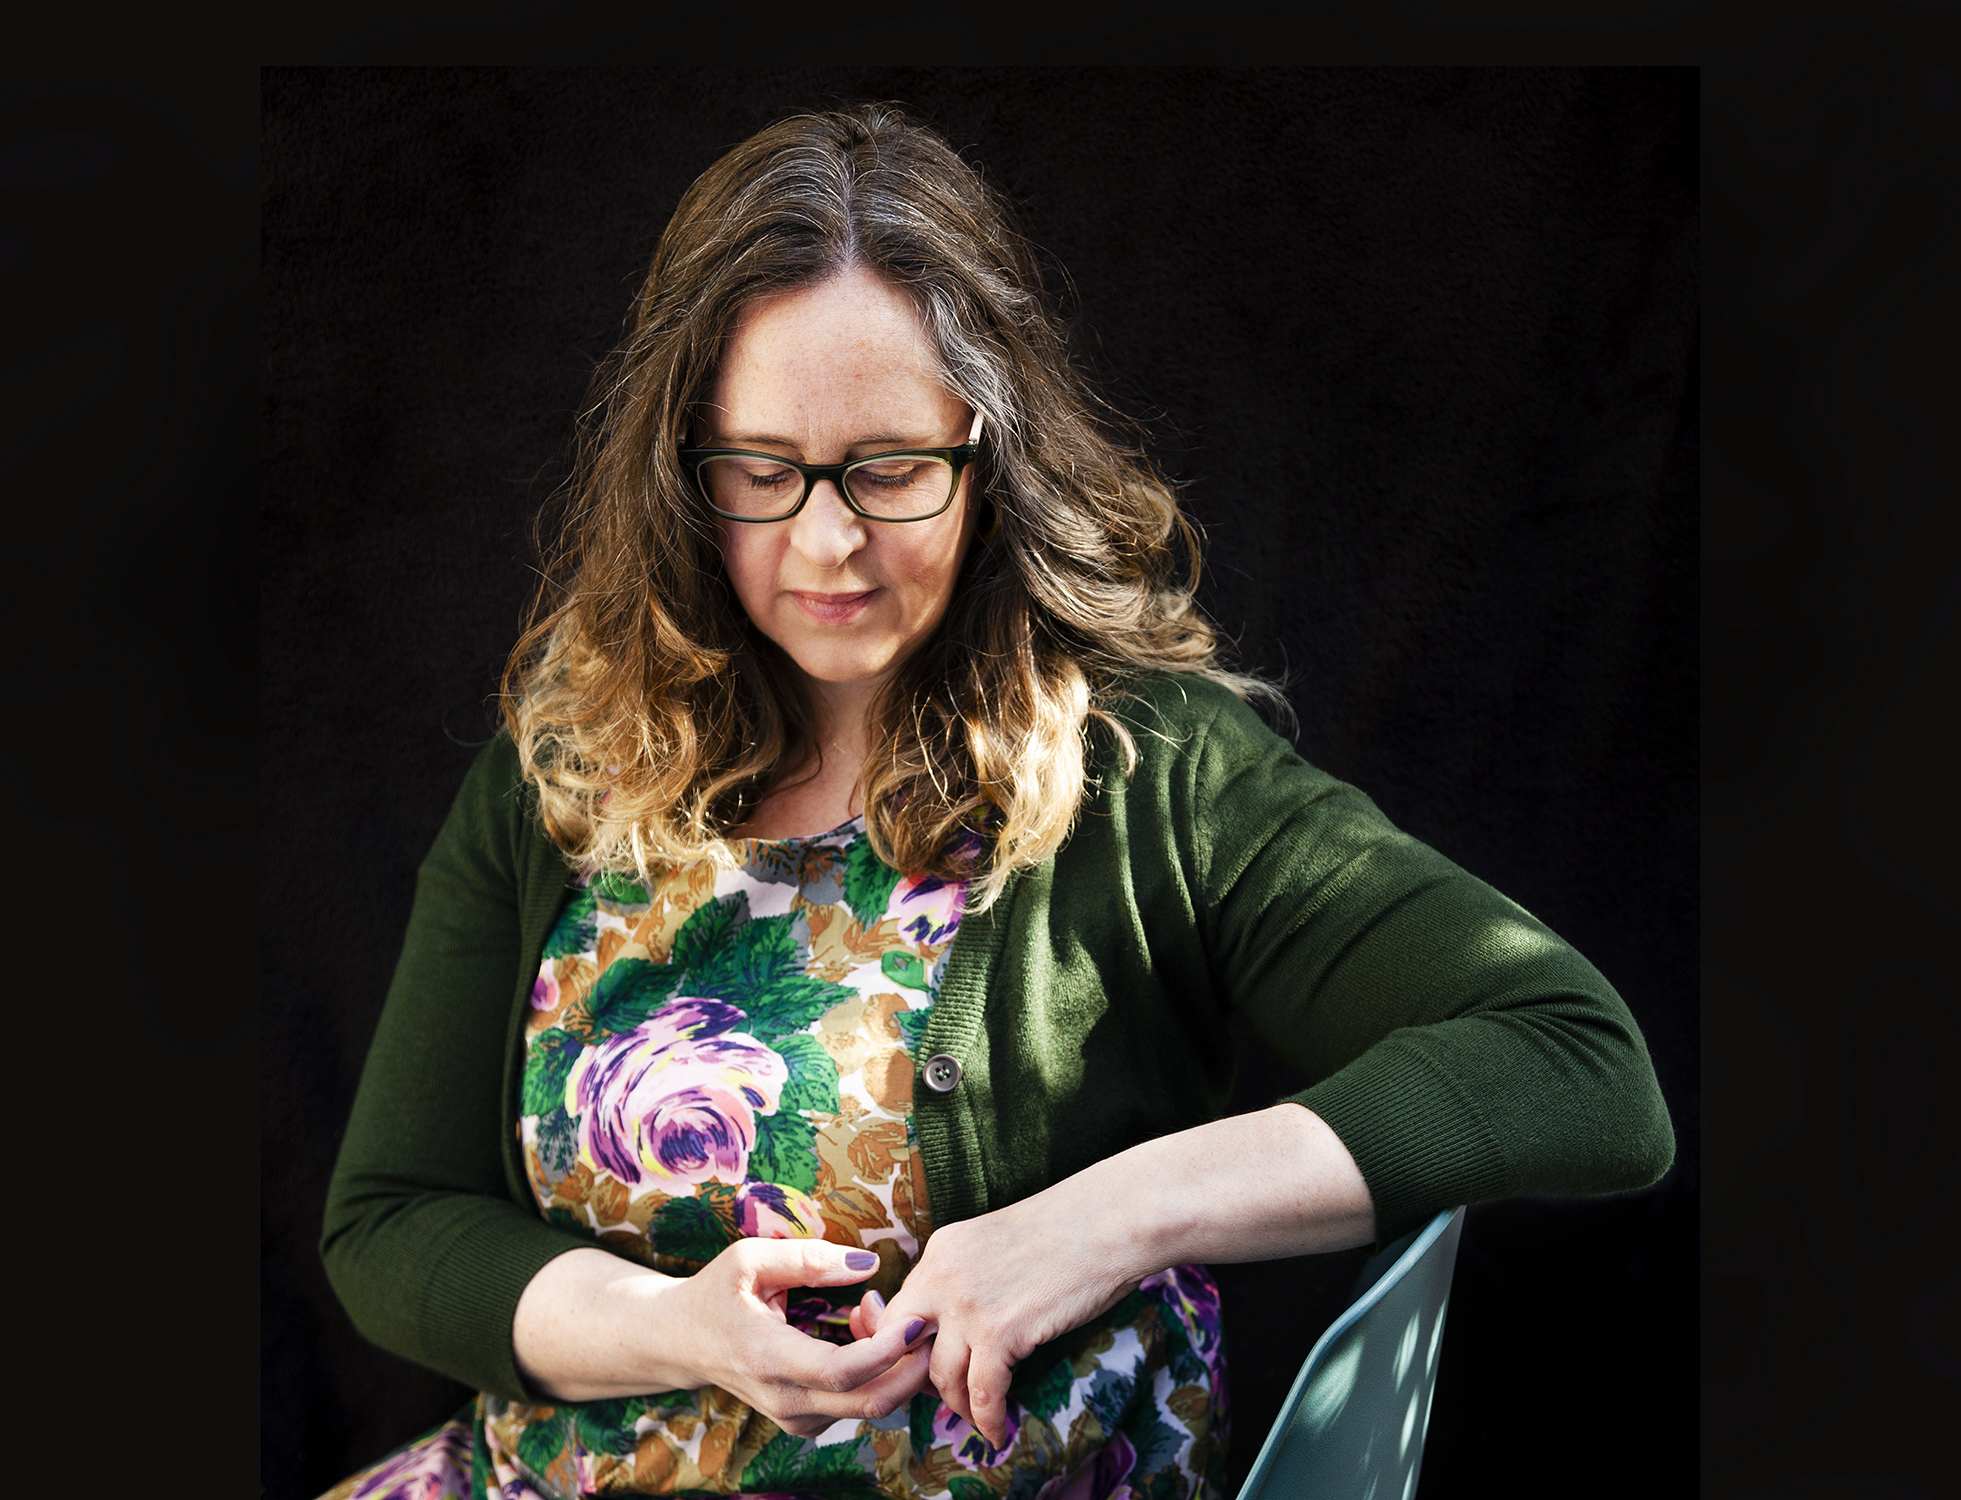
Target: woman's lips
{"points": [[833, 609]]}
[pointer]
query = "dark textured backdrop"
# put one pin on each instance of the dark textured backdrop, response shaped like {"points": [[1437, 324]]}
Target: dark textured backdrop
{"points": [[1423, 344]]}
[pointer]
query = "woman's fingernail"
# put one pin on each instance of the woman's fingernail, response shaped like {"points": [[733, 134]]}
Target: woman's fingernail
{"points": [[860, 1260], [915, 1329], [877, 1302]]}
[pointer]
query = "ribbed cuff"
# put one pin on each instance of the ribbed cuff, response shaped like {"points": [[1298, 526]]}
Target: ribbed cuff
{"points": [[1419, 1142], [469, 1299]]}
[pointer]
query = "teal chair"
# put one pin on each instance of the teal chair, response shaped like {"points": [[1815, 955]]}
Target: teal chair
{"points": [[1353, 1424]]}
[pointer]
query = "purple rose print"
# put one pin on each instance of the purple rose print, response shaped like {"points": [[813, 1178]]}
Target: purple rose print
{"points": [[1101, 1476], [942, 918], [544, 993], [674, 1101], [1194, 1296], [770, 1211], [969, 1446], [435, 1468]]}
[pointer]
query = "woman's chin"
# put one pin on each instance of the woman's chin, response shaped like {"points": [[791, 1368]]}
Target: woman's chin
{"points": [[845, 671]]}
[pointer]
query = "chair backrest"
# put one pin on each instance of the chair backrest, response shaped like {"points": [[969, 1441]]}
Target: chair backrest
{"points": [[1353, 1424]]}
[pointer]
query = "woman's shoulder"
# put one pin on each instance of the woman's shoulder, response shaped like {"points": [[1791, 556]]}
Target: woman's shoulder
{"points": [[1175, 701], [497, 763], [1179, 717], [1205, 756], [496, 804], [495, 781]]}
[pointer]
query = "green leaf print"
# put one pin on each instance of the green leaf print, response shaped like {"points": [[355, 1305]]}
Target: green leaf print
{"points": [[792, 1002], [759, 966], [1183, 1361], [545, 1067], [627, 992], [905, 969], [868, 882], [1156, 1443], [732, 960], [967, 1487], [920, 1412], [788, 1462], [708, 932], [786, 1152], [577, 930], [1168, 1483], [912, 1026], [558, 1141], [607, 1426], [620, 890], [540, 1442], [687, 1228], [1051, 1393], [813, 1084]]}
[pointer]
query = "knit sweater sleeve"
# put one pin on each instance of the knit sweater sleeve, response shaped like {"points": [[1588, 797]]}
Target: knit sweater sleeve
{"points": [[425, 1240], [1460, 1050]]}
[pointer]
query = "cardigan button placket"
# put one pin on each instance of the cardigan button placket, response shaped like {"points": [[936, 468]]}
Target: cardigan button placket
{"points": [[942, 1073]]}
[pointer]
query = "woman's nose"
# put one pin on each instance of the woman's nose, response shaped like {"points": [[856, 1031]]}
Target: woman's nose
{"points": [[826, 530]]}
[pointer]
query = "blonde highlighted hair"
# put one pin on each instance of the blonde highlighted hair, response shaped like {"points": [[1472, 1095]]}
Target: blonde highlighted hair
{"points": [[648, 711]]}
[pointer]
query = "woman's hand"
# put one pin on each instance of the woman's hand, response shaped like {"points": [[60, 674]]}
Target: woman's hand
{"points": [[1254, 1187], [591, 1325], [996, 1287]]}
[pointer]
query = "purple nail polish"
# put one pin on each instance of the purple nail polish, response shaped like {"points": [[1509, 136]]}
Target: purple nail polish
{"points": [[860, 1260], [915, 1329], [877, 1302]]}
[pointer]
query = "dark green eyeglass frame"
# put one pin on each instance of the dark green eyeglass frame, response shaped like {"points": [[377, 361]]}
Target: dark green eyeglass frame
{"points": [[693, 458]]}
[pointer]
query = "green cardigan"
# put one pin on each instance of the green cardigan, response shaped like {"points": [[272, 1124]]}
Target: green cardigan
{"points": [[1459, 1049]]}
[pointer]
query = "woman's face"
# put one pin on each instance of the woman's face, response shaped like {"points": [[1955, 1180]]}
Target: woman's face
{"points": [[829, 373]]}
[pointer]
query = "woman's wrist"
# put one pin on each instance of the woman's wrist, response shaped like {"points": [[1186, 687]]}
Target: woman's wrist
{"points": [[591, 1325]]}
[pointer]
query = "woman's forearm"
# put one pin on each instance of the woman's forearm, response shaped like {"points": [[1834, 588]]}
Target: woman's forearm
{"points": [[591, 1325], [1260, 1186]]}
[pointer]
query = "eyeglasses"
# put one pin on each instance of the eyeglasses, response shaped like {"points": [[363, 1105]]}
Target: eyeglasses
{"points": [[911, 484]]}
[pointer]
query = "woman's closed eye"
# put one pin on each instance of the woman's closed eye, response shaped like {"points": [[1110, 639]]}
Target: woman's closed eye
{"points": [[766, 478], [891, 474]]}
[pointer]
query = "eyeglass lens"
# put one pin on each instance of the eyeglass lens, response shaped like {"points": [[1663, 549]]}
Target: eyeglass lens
{"points": [[894, 489]]}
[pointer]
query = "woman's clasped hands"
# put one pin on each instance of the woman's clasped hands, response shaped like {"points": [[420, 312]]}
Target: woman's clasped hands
{"points": [[993, 1289], [1272, 1183], [985, 1293]]}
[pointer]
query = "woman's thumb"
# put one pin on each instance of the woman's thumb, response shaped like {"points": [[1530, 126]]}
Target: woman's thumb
{"points": [[787, 1263]]}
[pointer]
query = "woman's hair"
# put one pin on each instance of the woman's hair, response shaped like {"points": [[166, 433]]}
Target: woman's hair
{"points": [[648, 711]]}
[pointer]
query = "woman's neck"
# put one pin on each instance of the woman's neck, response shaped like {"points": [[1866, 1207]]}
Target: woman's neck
{"points": [[821, 792]]}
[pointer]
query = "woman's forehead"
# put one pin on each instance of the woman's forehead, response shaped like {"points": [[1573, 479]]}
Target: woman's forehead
{"points": [[854, 320], [849, 353]]}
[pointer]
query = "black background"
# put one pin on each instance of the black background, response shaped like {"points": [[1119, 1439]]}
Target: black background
{"points": [[1829, 143], [1422, 344]]}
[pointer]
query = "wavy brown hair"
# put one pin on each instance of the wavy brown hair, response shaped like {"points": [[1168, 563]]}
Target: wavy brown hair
{"points": [[647, 710]]}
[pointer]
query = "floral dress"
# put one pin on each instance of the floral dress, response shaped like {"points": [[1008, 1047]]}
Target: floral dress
{"points": [[723, 1053]]}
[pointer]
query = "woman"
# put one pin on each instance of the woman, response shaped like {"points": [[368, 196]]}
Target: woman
{"points": [[805, 1063]]}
